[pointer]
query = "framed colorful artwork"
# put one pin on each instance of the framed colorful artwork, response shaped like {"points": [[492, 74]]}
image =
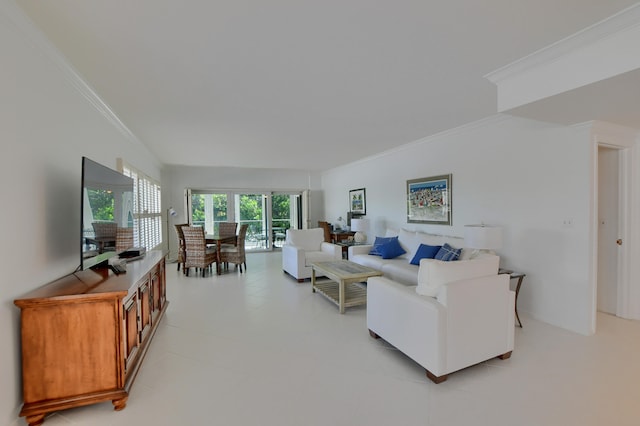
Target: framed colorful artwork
{"points": [[429, 200]]}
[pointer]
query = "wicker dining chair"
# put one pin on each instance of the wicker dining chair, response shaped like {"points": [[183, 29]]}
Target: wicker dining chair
{"points": [[181, 253], [105, 235], [197, 254], [236, 254], [124, 239], [227, 229]]}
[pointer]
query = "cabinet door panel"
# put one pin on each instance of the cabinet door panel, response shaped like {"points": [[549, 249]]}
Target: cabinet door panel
{"points": [[131, 339], [144, 294], [158, 288], [155, 284], [62, 347]]}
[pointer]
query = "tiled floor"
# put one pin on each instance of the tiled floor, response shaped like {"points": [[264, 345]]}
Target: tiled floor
{"points": [[261, 349]]}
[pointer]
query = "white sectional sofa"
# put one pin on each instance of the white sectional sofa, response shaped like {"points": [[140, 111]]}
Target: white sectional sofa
{"points": [[399, 269], [446, 316]]}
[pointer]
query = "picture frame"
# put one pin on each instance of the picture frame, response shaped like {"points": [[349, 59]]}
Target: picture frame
{"points": [[358, 202], [429, 200]]}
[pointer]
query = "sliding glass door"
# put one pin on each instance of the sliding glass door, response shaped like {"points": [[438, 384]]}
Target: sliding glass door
{"points": [[252, 210], [268, 214], [208, 210], [285, 214]]}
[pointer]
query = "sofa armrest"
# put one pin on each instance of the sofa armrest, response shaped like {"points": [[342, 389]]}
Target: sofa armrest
{"points": [[433, 273], [359, 249], [333, 249], [480, 319], [292, 259], [414, 324]]}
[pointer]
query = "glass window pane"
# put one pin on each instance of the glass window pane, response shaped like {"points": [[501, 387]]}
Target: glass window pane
{"points": [[208, 210], [251, 210], [281, 216]]}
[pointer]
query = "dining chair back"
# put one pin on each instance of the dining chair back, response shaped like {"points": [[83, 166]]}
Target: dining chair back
{"points": [[197, 254], [105, 235], [227, 229], [181, 253], [124, 239], [105, 229], [236, 254]]}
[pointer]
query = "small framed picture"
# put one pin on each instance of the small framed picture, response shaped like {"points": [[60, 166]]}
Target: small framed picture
{"points": [[358, 202]]}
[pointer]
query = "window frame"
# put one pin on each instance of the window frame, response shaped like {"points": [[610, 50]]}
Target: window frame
{"points": [[147, 207]]}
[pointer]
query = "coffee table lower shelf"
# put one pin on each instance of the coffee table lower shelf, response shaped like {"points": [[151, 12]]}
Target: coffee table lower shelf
{"points": [[355, 293]]}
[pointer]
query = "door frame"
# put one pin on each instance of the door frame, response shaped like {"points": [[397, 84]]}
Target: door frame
{"points": [[625, 141]]}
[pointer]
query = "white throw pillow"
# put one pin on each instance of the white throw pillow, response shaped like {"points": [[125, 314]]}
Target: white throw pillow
{"points": [[433, 273]]}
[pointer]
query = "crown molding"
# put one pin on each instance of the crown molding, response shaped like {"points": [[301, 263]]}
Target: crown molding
{"points": [[604, 132], [462, 129], [25, 25], [622, 21]]}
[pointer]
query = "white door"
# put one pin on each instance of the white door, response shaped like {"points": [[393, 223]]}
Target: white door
{"points": [[608, 229]]}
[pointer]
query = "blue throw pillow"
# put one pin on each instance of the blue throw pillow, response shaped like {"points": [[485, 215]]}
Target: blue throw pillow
{"points": [[448, 253], [425, 252], [378, 242], [391, 250]]}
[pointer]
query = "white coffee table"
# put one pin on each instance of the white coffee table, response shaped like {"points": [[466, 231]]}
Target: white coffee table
{"points": [[342, 289]]}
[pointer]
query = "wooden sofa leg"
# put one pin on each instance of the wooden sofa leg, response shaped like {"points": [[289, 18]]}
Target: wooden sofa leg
{"points": [[373, 334], [436, 379], [505, 355], [300, 280]]}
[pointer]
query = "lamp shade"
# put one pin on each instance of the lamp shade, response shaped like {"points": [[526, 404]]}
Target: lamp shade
{"points": [[483, 237], [359, 225]]}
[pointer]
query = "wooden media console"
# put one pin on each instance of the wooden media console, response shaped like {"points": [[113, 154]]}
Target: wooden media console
{"points": [[85, 336]]}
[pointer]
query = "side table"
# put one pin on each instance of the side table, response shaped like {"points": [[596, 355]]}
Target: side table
{"points": [[341, 236], [345, 247], [515, 276]]}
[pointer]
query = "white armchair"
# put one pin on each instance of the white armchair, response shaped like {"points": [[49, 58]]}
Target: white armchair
{"points": [[470, 320], [302, 247]]}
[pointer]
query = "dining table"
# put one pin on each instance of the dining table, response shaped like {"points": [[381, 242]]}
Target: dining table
{"points": [[218, 240]]}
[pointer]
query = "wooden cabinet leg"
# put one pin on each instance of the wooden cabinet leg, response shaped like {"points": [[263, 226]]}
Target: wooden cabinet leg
{"points": [[119, 404], [36, 420]]}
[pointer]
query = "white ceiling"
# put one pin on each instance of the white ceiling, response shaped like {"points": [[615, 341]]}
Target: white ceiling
{"points": [[299, 84]]}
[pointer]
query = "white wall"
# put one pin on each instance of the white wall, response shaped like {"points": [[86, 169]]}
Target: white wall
{"points": [[177, 178], [46, 126], [527, 176]]}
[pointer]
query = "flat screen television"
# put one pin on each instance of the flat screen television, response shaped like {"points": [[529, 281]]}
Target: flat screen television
{"points": [[106, 205]]}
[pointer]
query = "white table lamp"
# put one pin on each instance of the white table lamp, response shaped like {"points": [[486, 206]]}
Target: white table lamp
{"points": [[360, 227], [482, 238]]}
